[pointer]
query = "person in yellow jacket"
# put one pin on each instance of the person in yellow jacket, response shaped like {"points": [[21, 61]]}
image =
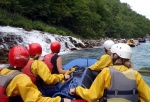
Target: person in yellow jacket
{"points": [[39, 72], [35, 68], [119, 83], [20, 84], [105, 60]]}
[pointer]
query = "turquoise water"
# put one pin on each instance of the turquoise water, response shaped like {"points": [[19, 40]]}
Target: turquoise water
{"points": [[140, 57]]}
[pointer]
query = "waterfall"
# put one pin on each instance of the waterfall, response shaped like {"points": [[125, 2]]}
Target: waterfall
{"points": [[10, 36]]}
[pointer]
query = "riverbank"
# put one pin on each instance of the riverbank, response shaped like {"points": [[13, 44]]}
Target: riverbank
{"points": [[10, 43]]}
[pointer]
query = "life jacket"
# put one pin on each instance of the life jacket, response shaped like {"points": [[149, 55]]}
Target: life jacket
{"points": [[27, 70], [51, 61], [4, 81], [123, 86]]}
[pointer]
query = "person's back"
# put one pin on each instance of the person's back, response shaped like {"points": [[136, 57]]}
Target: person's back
{"points": [[119, 83], [105, 59], [20, 84], [53, 60]]}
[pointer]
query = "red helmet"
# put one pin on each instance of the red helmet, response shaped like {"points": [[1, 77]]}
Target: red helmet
{"points": [[55, 47], [18, 56], [35, 49]]}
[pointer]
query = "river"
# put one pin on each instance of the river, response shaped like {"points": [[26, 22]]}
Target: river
{"points": [[140, 57]]}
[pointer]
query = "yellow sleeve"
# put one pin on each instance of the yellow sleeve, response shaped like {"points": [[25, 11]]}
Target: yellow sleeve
{"points": [[103, 62], [97, 87], [23, 86], [40, 68], [143, 88]]}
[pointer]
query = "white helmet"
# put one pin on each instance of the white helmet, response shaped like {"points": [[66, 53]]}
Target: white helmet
{"points": [[122, 50], [108, 44]]}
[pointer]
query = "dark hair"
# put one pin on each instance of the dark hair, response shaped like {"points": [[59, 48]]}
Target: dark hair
{"points": [[36, 57], [121, 61], [127, 63]]}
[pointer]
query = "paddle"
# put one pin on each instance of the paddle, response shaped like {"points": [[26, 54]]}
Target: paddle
{"points": [[144, 71]]}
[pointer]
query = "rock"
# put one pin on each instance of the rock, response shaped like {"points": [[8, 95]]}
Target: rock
{"points": [[4, 56], [72, 49]]}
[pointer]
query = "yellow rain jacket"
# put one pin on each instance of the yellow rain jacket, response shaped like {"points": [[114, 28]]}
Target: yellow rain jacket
{"points": [[103, 62], [103, 81], [40, 68], [22, 85]]}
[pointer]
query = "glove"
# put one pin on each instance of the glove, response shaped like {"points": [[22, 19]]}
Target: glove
{"points": [[76, 67], [70, 70]]}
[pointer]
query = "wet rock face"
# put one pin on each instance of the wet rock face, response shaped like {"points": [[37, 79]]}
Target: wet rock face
{"points": [[7, 41], [92, 43], [4, 56]]}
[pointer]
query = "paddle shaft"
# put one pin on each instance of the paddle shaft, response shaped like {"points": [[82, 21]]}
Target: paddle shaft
{"points": [[144, 72]]}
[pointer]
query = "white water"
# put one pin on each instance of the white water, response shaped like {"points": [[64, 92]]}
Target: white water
{"points": [[36, 36], [41, 38]]}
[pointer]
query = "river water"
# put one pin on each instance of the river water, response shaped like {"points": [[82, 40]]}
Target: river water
{"points": [[140, 57]]}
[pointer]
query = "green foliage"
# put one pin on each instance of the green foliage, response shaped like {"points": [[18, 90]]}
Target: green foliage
{"points": [[17, 20], [90, 19]]}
